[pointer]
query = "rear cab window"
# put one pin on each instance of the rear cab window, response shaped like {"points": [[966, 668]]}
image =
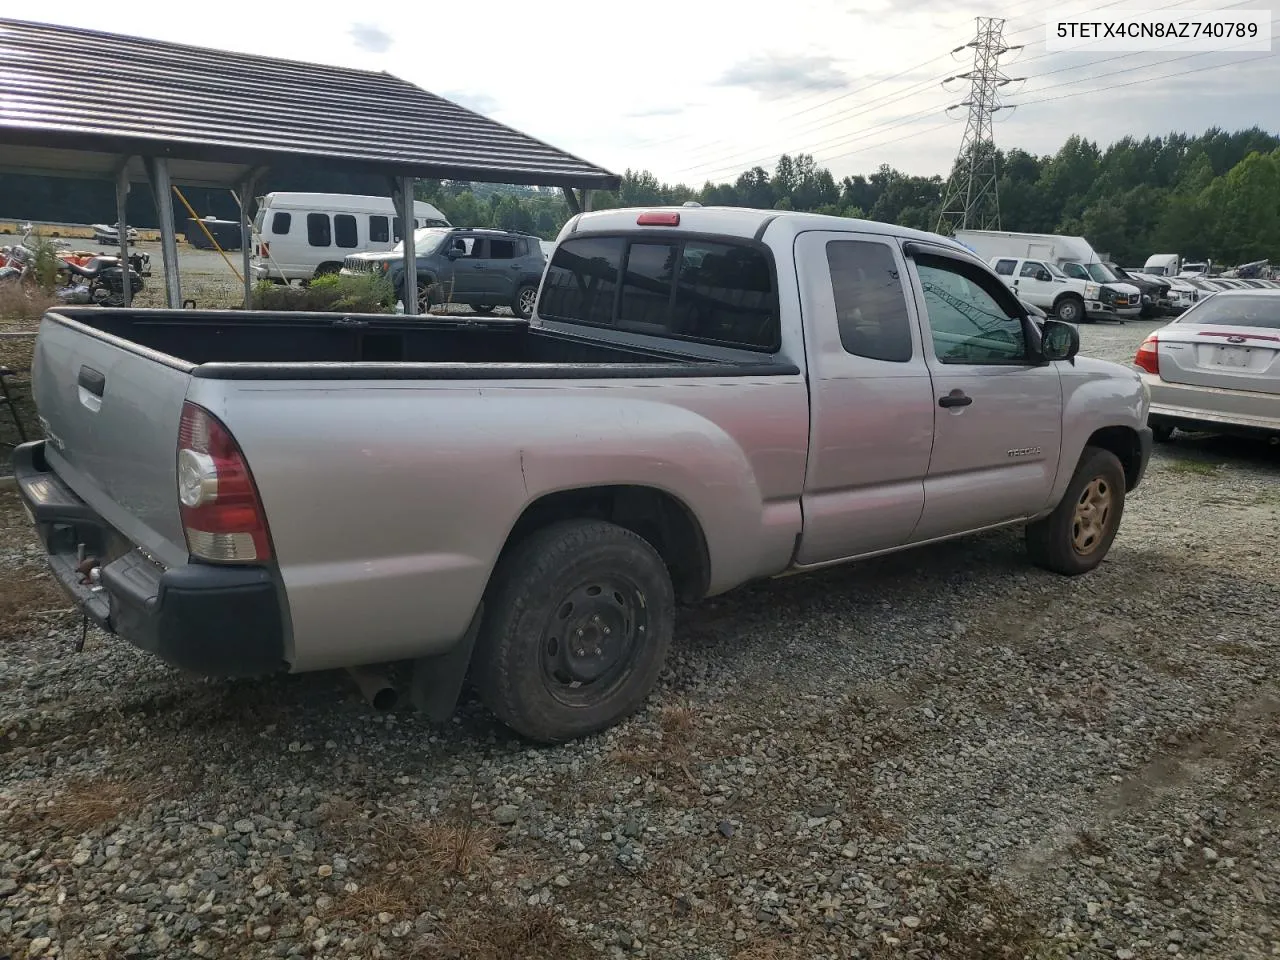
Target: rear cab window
{"points": [[712, 290]]}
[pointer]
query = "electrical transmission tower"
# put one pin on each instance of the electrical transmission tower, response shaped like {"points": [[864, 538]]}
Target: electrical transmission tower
{"points": [[970, 200]]}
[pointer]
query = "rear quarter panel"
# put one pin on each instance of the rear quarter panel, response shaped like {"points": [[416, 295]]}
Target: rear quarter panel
{"points": [[389, 502]]}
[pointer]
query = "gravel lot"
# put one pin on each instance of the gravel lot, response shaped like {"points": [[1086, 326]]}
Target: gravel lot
{"points": [[944, 754]]}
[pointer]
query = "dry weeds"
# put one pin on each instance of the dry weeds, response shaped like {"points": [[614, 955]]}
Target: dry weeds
{"points": [[531, 933], [30, 602], [84, 805]]}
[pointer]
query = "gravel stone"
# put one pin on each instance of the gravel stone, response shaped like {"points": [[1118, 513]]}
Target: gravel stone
{"points": [[946, 753]]}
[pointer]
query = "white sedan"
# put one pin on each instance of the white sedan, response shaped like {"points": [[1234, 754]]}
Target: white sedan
{"points": [[1217, 367]]}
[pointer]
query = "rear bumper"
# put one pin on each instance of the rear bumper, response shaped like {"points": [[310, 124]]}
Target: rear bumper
{"points": [[213, 620], [1212, 408]]}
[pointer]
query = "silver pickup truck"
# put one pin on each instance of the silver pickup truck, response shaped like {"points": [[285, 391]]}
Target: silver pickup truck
{"points": [[703, 397]]}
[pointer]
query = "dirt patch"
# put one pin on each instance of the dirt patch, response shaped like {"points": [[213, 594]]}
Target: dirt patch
{"points": [[31, 602]]}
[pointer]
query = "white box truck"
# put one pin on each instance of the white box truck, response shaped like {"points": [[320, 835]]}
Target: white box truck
{"points": [[1078, 282]]}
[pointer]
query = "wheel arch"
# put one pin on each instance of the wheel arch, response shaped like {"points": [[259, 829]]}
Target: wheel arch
{"points": [[1127, 447], [656, 515]]}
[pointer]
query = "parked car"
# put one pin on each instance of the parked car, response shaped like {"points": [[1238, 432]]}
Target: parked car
{"points": [[1217, 367], [301, 236], [483, 269], [703, 397]]}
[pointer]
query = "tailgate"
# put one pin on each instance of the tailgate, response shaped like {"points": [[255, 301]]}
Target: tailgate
{"points": [[110, 414], [1216, 356]]}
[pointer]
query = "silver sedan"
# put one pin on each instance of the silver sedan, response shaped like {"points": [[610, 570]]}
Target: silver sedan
{"points": [[1216, 367]]}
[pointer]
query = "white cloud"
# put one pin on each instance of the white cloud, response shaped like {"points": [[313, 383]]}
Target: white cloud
{"points": [[625, 88]]}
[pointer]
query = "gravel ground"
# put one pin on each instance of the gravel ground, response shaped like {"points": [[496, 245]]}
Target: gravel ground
{"points": [[943, 754]]}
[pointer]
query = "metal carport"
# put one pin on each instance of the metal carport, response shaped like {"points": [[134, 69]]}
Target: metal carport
{"points": [[86, 104]]}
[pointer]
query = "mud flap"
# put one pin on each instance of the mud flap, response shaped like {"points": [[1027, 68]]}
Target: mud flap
{"points": [[436, 682]]}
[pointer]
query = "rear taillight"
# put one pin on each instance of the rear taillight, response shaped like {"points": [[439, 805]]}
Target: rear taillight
{"points": [[1148, 355], [264, 249], [222, 515]]}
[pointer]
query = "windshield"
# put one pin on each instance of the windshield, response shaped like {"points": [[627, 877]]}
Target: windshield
{"points": [[425, 240], [1248, 310], [1055, 271], [1155, 271], [1100, 273]]}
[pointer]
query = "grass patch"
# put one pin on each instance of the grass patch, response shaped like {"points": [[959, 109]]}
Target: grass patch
{"points": [[1197, 468], [332, 292]]}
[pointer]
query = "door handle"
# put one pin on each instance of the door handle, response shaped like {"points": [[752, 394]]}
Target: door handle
{"points": [[956, 398]]}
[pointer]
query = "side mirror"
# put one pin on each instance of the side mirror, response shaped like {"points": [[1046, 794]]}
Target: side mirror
{"points": [[1058, 340], [1044, 276], [453, 253]]}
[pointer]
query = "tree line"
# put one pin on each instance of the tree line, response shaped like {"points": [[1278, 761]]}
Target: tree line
{"points": [[1216, 195]]}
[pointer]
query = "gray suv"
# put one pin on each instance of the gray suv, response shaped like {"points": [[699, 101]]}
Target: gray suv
{"points": [[482, 268]]}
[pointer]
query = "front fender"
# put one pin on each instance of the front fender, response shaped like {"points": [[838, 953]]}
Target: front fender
{"points": [[1096, 394]]}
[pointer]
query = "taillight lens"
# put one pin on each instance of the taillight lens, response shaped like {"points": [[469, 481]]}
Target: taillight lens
{"points": [[1148, 355], [222, 515]]}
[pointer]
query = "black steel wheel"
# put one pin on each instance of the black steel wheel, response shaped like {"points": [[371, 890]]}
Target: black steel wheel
{"points": [[578, 619]]}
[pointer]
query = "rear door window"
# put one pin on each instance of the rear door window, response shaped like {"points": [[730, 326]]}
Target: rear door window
{"points": [[500, 249], [344, 230], [319, 230], [379, 229], [280, 223], [1005, 267], [871, 306]]}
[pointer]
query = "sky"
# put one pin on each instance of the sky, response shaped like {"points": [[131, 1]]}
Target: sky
{"points": [[696, 91]]}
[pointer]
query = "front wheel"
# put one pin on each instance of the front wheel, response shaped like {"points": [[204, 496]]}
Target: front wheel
{"points": [[524, 301], [1070, 310], [1075, 538], [577, 624]]}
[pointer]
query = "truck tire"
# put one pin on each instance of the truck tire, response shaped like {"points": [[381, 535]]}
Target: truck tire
{"points": [[1070, 309], [522, 305], [1075, 538], [578, 619]]}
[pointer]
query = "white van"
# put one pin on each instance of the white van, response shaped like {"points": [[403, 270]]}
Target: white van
{"points": [[298, 236]]}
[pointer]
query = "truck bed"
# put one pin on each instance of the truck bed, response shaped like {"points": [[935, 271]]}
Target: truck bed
{"points": [[233, 344]]}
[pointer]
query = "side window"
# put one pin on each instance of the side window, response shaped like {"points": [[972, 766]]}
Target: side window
{"points": [[1031, 269], [582, 280], [1005, 267], [379, 229], [871, 307], [318, 230], [344, 230], [969, 324], [725, 294], [280, 223], [501, 249]]}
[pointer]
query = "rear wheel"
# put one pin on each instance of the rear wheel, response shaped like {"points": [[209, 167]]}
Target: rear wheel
{"points": [[577, 624], [1075, 538], [482, 308], [524, 301]]}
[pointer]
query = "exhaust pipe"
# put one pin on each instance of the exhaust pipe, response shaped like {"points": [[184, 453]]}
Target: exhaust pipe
{"points": [[375, 686]]}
